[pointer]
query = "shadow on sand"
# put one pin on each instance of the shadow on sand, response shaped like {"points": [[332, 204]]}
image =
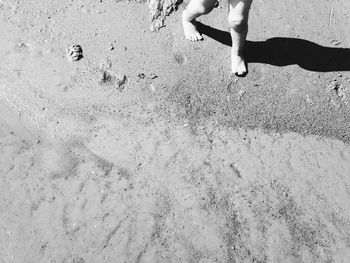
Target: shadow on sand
{"points": [[281, 51]]}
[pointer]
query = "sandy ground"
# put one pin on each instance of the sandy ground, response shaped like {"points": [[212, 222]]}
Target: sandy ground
{"points": [[183, 162]]}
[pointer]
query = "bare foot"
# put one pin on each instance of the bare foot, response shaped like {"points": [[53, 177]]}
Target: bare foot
{"points": [[238, 65], [190, 30]]}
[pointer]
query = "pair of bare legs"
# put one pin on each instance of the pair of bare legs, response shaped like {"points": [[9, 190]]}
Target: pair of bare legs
{"points": [[238, 21]]}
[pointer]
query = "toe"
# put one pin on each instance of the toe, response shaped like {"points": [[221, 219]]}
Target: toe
{"points": [[241, 73]]}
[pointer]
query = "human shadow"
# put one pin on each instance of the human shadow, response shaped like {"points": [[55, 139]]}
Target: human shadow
{"points": [[282, 51]]}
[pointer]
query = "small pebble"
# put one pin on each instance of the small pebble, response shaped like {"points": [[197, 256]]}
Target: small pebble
{"points": [[75, 52], [152, 76], [105, 77], [141, 75], [106, 64], [120, 80]]}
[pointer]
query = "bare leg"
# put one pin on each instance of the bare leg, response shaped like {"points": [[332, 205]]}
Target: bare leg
{"points": [[195, 9], [238, 20]]}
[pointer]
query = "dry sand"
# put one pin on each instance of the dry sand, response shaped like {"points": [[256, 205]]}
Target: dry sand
{"points": [[147, 150]]}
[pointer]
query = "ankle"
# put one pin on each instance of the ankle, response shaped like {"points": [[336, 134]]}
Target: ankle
{"points": [[185, 15], [236, 53]]}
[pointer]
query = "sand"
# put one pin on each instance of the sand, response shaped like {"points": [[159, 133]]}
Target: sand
{"points": [[146, 149]]}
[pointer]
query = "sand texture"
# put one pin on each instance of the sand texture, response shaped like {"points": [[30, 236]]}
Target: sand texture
{"points": [[141, 146]]}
